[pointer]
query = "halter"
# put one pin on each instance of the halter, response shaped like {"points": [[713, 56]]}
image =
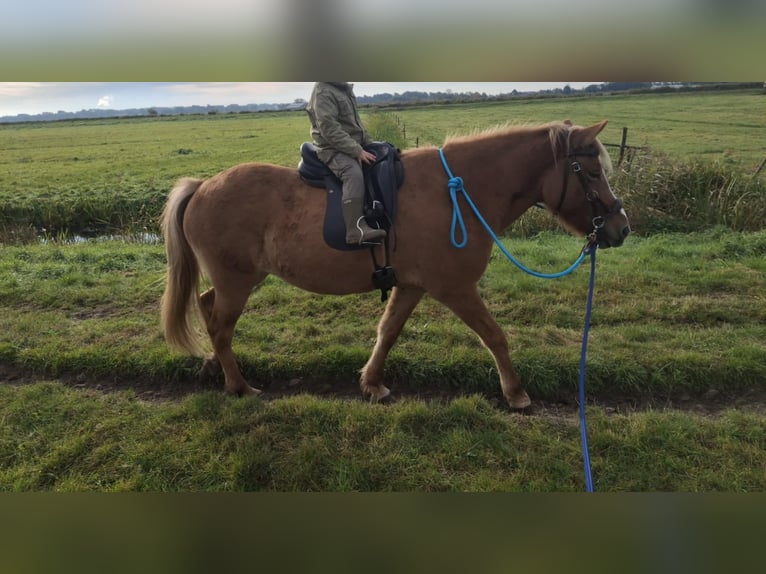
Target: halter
{"points": [[599, 220]]}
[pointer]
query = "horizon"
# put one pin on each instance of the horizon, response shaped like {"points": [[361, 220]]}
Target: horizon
{"points": [[35, 98]]}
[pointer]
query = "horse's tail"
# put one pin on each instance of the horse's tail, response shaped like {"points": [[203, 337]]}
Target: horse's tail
{"points": [[181, 298]]}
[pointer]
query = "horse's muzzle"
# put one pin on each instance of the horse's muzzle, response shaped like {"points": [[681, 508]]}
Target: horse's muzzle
{"points": [[606, 239]]}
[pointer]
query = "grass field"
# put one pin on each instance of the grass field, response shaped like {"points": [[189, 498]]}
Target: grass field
{"points": [[57, 438], [689, 327], [723, 127], [101, 175], [92, 399], [691, 318], [117, 173]]}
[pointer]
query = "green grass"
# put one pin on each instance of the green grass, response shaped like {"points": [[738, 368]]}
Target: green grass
{"points": [[674, 314], [713, 126], [106, 174], [57, 438], [677, 315]]}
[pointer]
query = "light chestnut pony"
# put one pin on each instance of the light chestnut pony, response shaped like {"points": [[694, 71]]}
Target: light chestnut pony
{"points": [[257, 219]]}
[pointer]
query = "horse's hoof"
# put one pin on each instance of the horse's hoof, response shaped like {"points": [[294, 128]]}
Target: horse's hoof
{"points": [[379, 394], [244, 391], [250, 392], [519, 401]]}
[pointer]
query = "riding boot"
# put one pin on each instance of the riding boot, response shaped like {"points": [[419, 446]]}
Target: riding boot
{"points": [[357, 230]]}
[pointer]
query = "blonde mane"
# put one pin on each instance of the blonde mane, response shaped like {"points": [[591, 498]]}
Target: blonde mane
{"points": [[558, 134], [508, 128]]}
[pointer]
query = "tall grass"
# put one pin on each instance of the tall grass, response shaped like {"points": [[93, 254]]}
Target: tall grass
{"points": [[383, 126], [665, 194]]}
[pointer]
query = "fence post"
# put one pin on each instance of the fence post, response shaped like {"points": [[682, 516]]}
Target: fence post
{"points": [[623, 144]]}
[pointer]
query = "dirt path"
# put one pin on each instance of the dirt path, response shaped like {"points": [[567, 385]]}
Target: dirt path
{"points": [[712, 403]]}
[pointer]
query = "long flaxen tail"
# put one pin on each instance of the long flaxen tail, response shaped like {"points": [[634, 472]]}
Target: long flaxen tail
{"points": [[180, 302]]}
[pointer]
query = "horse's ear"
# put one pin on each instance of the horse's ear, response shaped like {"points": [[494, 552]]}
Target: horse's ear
{"points": [[585, 136], [568, 123]]}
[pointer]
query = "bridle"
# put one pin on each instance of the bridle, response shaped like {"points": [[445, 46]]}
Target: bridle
{"points": [[601, 211]]}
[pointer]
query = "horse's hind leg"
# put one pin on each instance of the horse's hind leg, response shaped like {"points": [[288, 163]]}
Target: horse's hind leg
{"points": [[221, 308], [400, 306], [468, 305], [211, 367]]}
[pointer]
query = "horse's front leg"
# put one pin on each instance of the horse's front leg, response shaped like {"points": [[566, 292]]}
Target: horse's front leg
{"points": [[469, 306], [400, 306]]}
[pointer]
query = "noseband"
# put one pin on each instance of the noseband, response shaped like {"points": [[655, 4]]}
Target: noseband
{"points": [[597, 204]]}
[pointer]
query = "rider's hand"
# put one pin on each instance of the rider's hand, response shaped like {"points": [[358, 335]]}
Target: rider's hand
{"points": [[366, 157]]}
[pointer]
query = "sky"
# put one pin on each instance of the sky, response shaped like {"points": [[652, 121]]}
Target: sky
{"points": [[38, 97]]}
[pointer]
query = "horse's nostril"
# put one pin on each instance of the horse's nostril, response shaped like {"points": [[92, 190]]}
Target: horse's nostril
{"points": [[626, 231]]}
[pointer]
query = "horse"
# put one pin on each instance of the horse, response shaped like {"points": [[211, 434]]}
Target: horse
{"points": [[256, 219]]}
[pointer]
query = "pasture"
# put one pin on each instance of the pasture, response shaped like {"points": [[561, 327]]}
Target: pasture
{"points": [[724, 127], [92, 399], [95, 176]]}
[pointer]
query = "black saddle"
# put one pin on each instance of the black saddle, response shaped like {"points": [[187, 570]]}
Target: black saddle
{"points": [[382, 181]]}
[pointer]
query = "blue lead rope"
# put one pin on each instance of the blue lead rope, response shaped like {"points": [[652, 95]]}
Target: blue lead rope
{"points": [[581, 385], [456, 187]]}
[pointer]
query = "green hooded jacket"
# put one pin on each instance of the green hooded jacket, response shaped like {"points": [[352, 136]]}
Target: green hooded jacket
{"points": [[335, 123]]}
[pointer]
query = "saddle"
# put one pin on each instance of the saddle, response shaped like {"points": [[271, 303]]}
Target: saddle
{"points": [[382, 181]]}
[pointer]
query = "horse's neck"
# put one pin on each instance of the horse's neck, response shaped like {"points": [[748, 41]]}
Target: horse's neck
{"points": [[504, 174]]}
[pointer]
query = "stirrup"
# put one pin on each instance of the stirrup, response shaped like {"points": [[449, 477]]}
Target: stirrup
{"points": [[363, 231]]}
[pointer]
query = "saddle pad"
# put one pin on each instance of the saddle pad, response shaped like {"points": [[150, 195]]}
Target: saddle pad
{"points": [[334, 228], [317, 174]]}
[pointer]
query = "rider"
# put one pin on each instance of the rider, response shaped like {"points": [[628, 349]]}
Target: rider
{"points": [[339, 137]]}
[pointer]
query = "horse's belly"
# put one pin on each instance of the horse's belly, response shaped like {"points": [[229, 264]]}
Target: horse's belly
{"points": [[323, 270]]}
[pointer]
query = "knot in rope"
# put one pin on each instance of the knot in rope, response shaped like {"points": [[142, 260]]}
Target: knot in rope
{"points": [[455, 184]]}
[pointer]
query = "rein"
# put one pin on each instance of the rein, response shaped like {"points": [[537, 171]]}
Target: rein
{"points": [[456, 185]]}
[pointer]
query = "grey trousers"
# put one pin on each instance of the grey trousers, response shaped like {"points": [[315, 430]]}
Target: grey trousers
{"points": [[350, 173]]}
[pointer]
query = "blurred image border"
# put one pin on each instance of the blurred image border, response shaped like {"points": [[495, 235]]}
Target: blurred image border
{"points": [[202, 532]]}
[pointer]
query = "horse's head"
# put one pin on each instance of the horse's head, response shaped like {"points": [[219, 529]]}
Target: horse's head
{"points": [[576, 190]]}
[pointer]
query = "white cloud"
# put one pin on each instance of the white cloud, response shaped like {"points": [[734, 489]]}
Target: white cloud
{"points": [[105, 102]]}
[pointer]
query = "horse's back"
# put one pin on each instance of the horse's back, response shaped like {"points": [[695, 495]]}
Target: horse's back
{"points": [[251, 178]]}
